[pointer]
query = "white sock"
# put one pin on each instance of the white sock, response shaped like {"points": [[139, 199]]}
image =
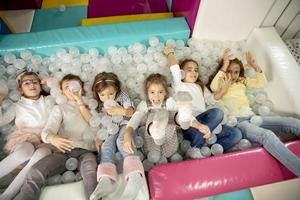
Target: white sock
{"points": [[184, 104], [134, 184], [104, 187], [158, 128]]}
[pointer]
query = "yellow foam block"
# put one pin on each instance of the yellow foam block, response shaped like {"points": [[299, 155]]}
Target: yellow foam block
{"points": [[124, 18], [9, 26], [56, 3]]}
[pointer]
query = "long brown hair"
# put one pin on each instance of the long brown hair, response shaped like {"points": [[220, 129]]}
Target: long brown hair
{"points": [[26, 73], [102, 81], [156, 79], [233, 61], [182, 65]]}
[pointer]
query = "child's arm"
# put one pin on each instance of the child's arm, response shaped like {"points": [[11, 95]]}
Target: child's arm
{"points": [[260, 81], [49, 133], [128, 142], [169, 52], [174, 67], [226, 60], [8, 116], [126, 109], [217, 84], [119, 110], [222, 84], [98, 144], [85, 112], [133, 123]]}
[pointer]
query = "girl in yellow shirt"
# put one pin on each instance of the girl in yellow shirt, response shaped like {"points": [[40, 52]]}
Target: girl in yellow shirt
{"points": [[231, 82]]}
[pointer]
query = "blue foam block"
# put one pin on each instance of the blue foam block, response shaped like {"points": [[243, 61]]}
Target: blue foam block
{"points": [[52, 18], [238, 195], [100, 36], [3, 28]]}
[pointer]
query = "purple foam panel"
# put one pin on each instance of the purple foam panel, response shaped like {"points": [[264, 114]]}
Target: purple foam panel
{"points": [[187, 9], [20, 4], [106, 8]]}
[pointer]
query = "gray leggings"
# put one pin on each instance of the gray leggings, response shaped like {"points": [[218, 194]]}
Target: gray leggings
{"points": [[23, 152], [55, 164]]}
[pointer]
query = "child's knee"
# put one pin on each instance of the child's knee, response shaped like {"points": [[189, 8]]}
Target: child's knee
{"points": [[41, 153], [219, 114], [26, 151]]}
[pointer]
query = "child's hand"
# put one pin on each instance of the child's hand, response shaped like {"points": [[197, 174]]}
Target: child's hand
{"points": [[98, 144], [128, 142], [205, 130], [251, 62], [77, 96], [116, 110], [44, 80], [2, 96], [226, 59], [168, 50], [61, 143], [224, 83]]}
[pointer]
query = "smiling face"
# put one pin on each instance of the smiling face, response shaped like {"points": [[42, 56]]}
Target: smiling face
{"points": [[109, 93], [191, 72], [233, 71], [30, 87], [156, 94]]}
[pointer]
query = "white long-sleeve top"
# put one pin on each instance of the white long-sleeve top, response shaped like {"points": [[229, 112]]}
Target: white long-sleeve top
{"points": [[199, 97], [28, 113], [142, 110], [67, 121]]}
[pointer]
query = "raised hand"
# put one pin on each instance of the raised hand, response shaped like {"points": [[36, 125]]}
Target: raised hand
{"points": [[168, 50], [251, 61], [226, 59]]}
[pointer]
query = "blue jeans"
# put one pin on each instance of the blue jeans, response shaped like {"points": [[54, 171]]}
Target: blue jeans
{"points": [[264, 135], [212, 118], [110, 145]]}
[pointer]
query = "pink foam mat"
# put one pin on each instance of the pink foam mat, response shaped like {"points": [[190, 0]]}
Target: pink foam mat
{"points": [[104, 8], [219, 174]]}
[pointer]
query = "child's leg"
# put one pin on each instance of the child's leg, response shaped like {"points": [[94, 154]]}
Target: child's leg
{"points": [[171, 145], [106, 172], [282, 124], [36, 178], [272, 144], [15, 186], [212, 118], [88, 165], [158, 126], [21, 153], [228, 137], [133, 172]]}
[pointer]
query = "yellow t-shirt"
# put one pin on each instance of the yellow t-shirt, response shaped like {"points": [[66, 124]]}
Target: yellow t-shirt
{"points": [[235, 99]]}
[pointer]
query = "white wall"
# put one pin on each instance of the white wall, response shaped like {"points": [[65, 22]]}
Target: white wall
{"points": [[281, 69], [230, 19], [235, 19]]}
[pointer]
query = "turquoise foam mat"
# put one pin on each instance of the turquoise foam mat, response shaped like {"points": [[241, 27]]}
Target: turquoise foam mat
{"points": [[52, 18], [237, 195], [100, 36]]}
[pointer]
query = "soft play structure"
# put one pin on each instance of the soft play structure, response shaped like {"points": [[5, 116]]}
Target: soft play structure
{"points": [[87, 24]]}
